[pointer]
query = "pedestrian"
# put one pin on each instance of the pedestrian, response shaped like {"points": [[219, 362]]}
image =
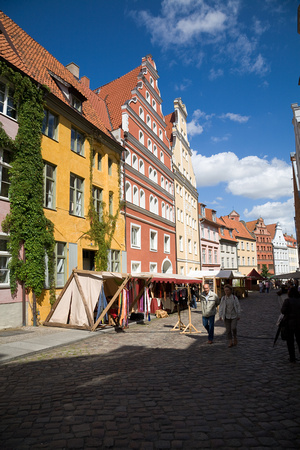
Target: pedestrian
{"points": [[230, 311], [261, 287], [194, 296], [267, 286], [291, 310], [209, 302]]}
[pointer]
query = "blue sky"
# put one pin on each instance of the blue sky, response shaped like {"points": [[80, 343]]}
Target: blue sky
{"points": [[234, 63]]}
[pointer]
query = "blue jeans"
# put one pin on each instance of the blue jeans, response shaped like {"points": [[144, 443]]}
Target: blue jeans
{"points": [[209, 325], [193, 302]]}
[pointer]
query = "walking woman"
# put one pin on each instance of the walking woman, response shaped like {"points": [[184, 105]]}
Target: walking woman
{"points": [[230, 311], [291, 309]]}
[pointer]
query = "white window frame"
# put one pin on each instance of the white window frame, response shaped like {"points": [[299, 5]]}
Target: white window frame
{"points": [[49, 194], [167, 243], [153, 238], [7, 106], [4, 260], [76, 207], [135, 236], [4, 169], [136, 266], [77, 141]]}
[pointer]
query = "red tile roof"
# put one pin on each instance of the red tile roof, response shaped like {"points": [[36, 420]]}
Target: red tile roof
{"points": [[26, 55], [251, 225], [226, 229], [170, 119], [271, 228], [239, 229], [116, 93]]}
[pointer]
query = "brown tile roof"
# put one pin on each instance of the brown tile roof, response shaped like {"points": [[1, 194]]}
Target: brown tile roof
{"points": [[170, 119], [226, 229], [239, 230], [271, 228], [251, 225], [116, 93], [25, 54]]}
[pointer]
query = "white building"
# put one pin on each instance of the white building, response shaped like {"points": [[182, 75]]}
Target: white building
{"points": [[280, 249]]}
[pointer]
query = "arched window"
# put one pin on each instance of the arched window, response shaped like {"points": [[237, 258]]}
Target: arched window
{"points": [[155, 176], [128, 191], [160, 134], [166, 185], [128, 157], [162, 181], [142, 167], [155, 150], [147, 96], [141, 137], [154, 127], [149, 145], [150, 173], [142, 199], [171, 214], [148, 121], [151, 203], [163, 211], [167, 212], [135, 195], [162, 157], [155, 206], [141, 113], [135, 162], [154, 105]]}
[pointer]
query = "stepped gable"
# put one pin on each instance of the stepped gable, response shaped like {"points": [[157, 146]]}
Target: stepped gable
{"points": [[271, 229], [25, 54], [116, 93], [239, 230]]}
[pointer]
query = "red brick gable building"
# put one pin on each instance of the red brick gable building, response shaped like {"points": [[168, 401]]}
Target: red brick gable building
{"points": [[134, 105], [264, 246]]}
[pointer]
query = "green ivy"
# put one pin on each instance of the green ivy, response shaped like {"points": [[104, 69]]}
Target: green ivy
{"points": [[102, 228], [26, 223]]}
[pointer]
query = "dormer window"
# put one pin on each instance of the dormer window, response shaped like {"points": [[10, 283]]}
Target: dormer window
{"points": [[76, 103], [213, 216], [222, 231], [202, 211]]}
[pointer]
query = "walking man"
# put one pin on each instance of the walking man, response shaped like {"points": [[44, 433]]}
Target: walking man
{"points": [[209, 302]]}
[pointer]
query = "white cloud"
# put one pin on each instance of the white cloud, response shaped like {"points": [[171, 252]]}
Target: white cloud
{"points": [[273, 212], [235, 117], [220, 139], [193, 29], [250, 177], [194, 128]]}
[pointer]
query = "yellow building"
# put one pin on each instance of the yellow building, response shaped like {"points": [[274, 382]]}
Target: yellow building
{"points": [[81, 160], [186, 195]]}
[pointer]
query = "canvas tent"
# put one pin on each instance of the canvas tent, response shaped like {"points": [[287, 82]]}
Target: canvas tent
{"points": [[287, 276], [76, 304]]}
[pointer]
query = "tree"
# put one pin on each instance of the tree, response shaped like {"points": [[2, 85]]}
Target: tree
{"points": [[265, 272]]}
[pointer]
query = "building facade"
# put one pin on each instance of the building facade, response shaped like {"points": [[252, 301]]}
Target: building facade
{"points": [[264, 245], [295, 160], [186, 195], [228, 246], [134, 105], [246, 243], [292, 252], [81, 165], [209, 239], [280, 249]]}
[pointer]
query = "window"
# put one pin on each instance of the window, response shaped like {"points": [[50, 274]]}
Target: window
{"points": [[248, 261], [153, 241], [114, 263], [141, 137], [181, 243], [127, 191], [149, 145], [76, 103], [135, 266], [148, 121], [178, 214], [203, 211], [99, 166], [141, 113], [77, 142], [49, 186], [142, 199], [128, 157], [142, 167], [147, 96], [163, 211], [97, 196], [252, 246], [162, 181], [247, 245], [135, 161], [50, 124], [214, 216], [242, 245], [216, 256], [60, 260], [135, 236], [7, 105], [195, 248], [190, 245], [160, 134], [154, 105], [110, 163], [135, 195], [154, 127], [162, 157], [210, 256], [203, 256], [153, 267], [155, 150], [4, 259], [243, 260], [5, 159], [167, 243], [111, 203], [76, 195]]}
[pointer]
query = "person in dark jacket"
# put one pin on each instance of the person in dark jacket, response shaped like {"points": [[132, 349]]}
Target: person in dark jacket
{"points": [[291, 309]]}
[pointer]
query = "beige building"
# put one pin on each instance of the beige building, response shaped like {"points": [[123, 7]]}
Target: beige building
{"points": [[186, 195]]}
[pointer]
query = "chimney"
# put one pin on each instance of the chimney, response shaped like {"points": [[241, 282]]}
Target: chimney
{"points": [[74, 69], [85, 81]]}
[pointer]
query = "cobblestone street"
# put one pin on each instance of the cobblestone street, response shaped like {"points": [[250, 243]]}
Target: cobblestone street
{"points": [[153, 388]]}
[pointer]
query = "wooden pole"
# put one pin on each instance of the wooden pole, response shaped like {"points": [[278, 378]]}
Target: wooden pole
{"points": [[88, 313]]}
